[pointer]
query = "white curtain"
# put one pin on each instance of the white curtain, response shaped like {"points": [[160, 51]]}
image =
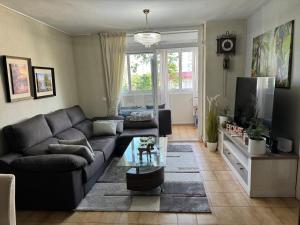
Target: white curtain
{"points": [[113, 55]]}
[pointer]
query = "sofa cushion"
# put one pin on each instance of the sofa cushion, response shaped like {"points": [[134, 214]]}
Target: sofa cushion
{"points": [[58, 121], [40, 148], [70, 134], [82, 141], [140, 124], [104, 127], [104, 144], [75, 114], [139, 133], [80, 150], [30, 132], [85, 127], [91, 169], [49, 163]]}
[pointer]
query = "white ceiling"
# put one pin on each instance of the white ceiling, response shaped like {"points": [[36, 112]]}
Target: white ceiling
{"points": [[91, 16]]}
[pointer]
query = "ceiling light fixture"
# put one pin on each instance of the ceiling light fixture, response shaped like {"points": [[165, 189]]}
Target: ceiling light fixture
{"points": [[147, 37]]}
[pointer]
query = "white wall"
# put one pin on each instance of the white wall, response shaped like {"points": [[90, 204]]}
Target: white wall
{"points": [[24, 37], [286, 105], [90, 75], [181, 105]]}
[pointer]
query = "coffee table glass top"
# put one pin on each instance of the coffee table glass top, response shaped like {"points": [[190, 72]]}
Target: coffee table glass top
{"points": [[133, 157]]}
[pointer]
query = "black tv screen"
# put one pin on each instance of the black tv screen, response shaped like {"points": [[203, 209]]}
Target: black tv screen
{"points": [[254, 97]]}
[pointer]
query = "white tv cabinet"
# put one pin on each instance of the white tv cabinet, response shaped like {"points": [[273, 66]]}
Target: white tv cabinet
{"points": [[268, 175]]}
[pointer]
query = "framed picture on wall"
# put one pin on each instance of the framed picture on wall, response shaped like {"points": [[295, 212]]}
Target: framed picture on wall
{"points": [[44, 82], [272, 54], [18, 79]]}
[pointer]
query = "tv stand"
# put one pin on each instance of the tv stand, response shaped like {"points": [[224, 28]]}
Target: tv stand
{"points": [[268, 175]]}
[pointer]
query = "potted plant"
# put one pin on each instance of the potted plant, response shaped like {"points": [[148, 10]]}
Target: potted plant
{"points": [[257, 143], [212, 124]]}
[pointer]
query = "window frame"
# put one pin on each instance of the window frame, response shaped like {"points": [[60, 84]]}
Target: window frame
{"points": [[130, 91], [180, 51], [170, 90]]}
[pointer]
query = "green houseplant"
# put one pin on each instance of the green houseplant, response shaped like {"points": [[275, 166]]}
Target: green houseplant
{"points": [[212, 124], [257, 143]]}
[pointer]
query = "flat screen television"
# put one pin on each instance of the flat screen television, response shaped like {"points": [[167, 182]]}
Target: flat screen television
{"points": [[254, 97]]}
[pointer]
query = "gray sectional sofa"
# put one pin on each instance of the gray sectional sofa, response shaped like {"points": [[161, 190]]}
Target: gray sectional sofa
{"points": [[60, 181]]}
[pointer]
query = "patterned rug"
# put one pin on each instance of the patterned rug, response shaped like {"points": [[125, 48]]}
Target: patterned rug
{"points": [[182, 191]]}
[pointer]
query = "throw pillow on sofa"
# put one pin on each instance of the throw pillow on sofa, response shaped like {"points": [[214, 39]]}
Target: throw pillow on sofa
{"points": [[105, 127], [141, 116], [79, 150], [82, 141], [119, 123]]}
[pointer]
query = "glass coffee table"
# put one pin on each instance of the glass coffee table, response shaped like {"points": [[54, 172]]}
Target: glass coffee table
{"points": [[146, 157]]}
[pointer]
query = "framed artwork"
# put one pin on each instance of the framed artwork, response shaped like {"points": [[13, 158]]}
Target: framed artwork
{"points": [[18, 78], [44, 82], [272, 54]]}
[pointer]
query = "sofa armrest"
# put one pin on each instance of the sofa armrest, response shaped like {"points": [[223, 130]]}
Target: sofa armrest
{"points": [[6, 160], [108, 118], [165, 122], [48, 163]]}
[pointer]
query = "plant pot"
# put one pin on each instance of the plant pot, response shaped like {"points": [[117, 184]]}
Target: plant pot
{"points": [[222, 120], [212, 147], [257, 147]]}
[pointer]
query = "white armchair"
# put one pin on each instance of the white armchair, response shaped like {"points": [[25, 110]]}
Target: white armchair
{"points": [[7, 200]]}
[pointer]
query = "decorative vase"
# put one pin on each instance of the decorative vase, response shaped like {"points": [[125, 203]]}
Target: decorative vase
{"points": [[212, 147], [223, 120], [257, 147]]}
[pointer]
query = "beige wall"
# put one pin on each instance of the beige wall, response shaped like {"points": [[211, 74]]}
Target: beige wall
{"points": [[90, 77], [24, 37], [214, 64], [286, 119]]}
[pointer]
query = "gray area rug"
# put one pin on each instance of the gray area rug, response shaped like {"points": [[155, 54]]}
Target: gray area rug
{"points": [[182, 191]]}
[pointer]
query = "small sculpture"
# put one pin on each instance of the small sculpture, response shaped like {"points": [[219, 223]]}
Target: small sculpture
{"points": [[146, 149]]}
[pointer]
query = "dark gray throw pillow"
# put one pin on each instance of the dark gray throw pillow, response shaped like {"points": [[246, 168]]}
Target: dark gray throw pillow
{"points": [[79, 150], [81, 141]]}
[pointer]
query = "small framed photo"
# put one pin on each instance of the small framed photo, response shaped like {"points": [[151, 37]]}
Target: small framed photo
{"points": [[43, 82], [18, 78]]}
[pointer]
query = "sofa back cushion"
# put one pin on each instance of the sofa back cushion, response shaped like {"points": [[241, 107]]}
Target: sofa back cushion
{"points": [[58, 121], [85, 127], [70, 134], [75, 114], [40, 148], [29, 133]]}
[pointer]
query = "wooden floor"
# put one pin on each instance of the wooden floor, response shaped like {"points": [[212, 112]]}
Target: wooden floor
{"points": [[184, 133], [229, 205]]}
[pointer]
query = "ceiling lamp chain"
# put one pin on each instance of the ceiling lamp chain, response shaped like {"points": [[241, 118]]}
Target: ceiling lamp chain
{"points": [[147, 37]]}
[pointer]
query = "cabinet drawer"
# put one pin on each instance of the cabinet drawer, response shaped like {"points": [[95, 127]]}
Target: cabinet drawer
{"points": [[242, 171]]}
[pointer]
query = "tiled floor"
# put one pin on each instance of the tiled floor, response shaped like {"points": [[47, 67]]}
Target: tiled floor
{"points": [[229, 203], [186, 132]]}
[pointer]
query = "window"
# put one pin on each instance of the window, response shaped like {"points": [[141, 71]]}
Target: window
{"points": [[176, 69], [137, 72], [180, 69]]}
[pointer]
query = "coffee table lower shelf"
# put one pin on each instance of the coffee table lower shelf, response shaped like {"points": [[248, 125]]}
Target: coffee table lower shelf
{"points": [[144, 180]]}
